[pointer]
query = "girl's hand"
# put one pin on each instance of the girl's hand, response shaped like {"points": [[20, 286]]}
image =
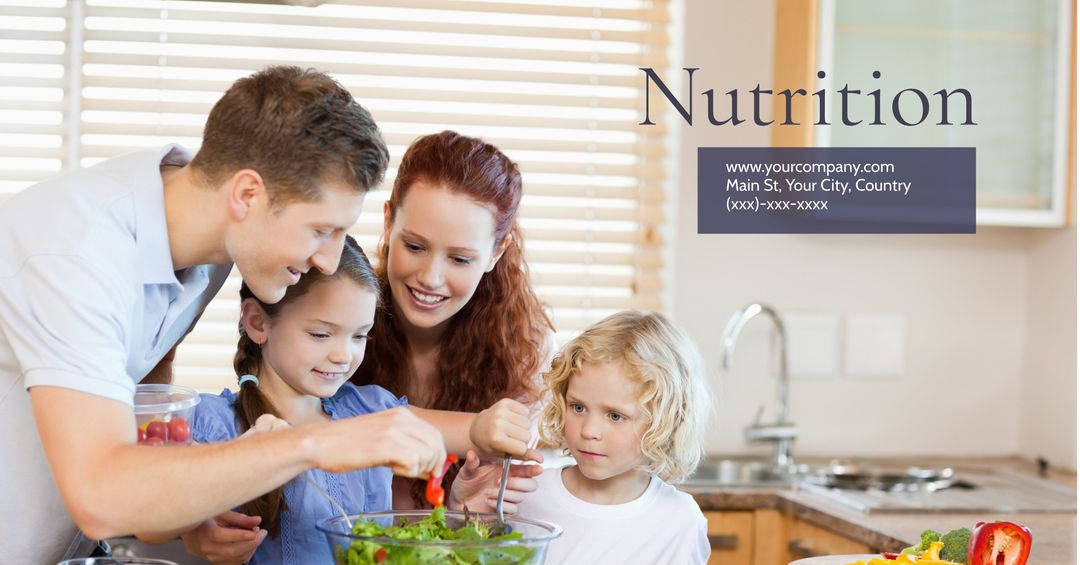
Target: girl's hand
{"points": [[477, 485], [394, 438], [503, 429], [227, 539], [266, 423]]}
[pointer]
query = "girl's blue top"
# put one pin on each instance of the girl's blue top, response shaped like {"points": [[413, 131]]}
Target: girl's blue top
{"points": [[366, 490]]}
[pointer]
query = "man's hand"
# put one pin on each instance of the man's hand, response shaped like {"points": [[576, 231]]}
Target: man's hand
{"points": [[394, 438], [477, 485], [227, 539]]}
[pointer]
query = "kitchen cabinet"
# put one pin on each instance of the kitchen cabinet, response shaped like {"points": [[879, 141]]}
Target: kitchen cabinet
{"points": [[1014, 58], [772, 532], [731, 535], [770, 537], [808, 540]]}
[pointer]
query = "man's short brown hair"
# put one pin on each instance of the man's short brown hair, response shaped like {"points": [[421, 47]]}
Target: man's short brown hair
{"points": [[298, 128]]}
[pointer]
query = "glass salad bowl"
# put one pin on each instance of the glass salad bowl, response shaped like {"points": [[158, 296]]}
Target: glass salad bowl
{"points": [[407, 537]]}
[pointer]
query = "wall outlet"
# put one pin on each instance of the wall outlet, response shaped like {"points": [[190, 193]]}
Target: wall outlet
{"points": [[813, 347], [876, 347]]}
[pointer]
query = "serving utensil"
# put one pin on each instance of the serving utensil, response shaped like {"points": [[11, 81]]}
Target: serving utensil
{"points": [[500, 525], [333, 502]]}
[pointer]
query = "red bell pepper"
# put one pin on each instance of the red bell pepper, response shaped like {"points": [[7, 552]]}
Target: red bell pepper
{"points": [[435, 493], [999, 543]]}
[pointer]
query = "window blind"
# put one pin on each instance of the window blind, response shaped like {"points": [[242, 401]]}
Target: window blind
{"points": [[33, 39], [555, 86]]}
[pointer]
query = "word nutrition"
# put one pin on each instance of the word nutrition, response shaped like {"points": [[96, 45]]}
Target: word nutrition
{"points": [[732, 110]]}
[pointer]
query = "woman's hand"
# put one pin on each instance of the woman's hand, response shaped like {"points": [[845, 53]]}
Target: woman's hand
{"points": [[503, 429], [228, 539], [477, 485]]}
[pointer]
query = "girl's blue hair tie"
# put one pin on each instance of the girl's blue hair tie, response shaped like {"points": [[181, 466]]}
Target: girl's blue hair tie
{"points": [[249, 378]]}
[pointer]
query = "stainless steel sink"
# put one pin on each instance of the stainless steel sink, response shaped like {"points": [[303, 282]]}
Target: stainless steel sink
{"points": [[878, 486], [745, 473], [836, 474]]}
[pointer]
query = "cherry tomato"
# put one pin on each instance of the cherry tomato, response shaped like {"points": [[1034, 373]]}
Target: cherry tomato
{"points": [[141, 434], [154, 440], [157, 429], [179, 430], [380, 555]]}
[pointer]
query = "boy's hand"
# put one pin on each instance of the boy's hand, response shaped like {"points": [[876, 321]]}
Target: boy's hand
{"points": [[230, 538], [477, 486], [503, 429]]}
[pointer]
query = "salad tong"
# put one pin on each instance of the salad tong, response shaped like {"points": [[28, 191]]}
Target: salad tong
{"points": [[333, 502], [500, 525]]}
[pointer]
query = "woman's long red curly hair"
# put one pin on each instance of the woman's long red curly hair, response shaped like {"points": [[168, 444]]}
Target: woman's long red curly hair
{"points": [[492, 347]]}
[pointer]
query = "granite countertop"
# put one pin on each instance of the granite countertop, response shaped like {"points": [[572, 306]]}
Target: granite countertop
{"points": [[1054, 533]]}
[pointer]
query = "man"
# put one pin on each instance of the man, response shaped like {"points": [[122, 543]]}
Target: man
{"points": [[104, 270]]}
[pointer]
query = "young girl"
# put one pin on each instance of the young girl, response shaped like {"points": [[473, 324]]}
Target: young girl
{"points": [[628, 403], [459, 325], [294, 358]]}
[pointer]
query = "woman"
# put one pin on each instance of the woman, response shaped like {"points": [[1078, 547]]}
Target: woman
{"points": [[460, 326]]}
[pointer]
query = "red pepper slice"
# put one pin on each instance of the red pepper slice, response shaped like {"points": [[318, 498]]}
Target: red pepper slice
{"points": [[888, 555], [999, 543], [435, 492]]}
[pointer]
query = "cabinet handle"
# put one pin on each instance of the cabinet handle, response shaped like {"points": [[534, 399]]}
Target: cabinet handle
{"points": [[723, 541], [801, 549]]}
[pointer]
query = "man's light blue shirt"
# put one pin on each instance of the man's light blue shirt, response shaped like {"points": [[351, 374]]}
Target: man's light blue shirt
{"points": [[89, 301]]}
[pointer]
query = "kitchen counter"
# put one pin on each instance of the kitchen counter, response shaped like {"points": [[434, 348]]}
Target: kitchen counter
{"points": [[1054, 533]]}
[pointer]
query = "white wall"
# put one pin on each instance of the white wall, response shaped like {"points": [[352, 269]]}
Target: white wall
{"points": [[1048, 425], [975, 305]]}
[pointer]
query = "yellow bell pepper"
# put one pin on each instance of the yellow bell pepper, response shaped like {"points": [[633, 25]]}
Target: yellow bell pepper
{"points": [[929, 557]]}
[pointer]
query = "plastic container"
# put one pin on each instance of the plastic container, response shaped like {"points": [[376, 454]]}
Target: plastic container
{"points": [[163, 413], [530, 549]]}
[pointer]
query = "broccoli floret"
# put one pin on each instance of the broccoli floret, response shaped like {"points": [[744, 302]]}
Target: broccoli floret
{"points": [[928, 537], [956, 545]]}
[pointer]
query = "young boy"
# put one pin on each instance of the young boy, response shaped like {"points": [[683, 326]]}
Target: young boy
{"points": [[628, 402], [104, 270]]}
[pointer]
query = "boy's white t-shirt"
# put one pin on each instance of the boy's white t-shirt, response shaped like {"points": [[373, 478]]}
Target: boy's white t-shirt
{"points": [[663, 526]]}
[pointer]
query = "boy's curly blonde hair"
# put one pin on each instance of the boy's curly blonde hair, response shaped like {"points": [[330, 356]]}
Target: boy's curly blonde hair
{"points": [[659, 356]]}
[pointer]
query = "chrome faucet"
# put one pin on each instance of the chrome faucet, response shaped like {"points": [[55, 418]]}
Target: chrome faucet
{"points": [[782, 432]]}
